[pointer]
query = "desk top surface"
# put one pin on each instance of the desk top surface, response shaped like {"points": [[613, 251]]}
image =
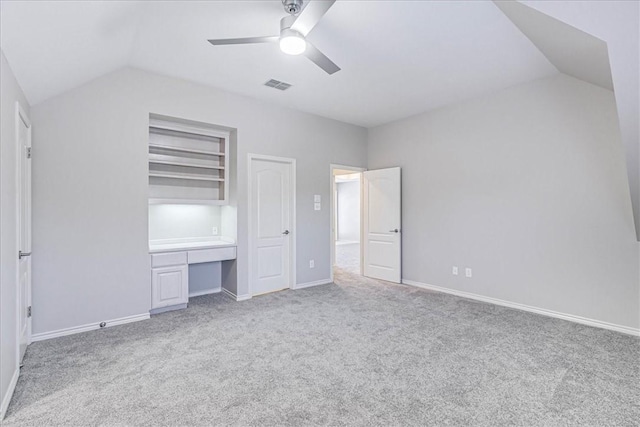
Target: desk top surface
{"points": [[174, 245]]}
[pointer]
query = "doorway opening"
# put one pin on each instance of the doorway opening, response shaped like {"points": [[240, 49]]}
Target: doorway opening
{"points": [[346, 215], [368, 201]]}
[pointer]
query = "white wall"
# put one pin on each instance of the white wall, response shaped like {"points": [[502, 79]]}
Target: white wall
{"points": [[11, 93], [177, 221], [90, 187], [348, 207], [528, 188]]}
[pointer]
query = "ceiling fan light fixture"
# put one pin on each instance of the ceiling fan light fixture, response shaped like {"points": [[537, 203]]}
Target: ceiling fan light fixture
{"points": [[292, 43], [293, 29]]}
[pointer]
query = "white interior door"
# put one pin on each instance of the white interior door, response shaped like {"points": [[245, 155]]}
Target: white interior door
{"points": [[24, 230], [382, 215], [271, 236]]}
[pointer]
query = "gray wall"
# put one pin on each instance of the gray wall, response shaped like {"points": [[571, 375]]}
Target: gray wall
{"points": [[528, 188], [205, 277], [348, 210], [11, 93], [616, 23], [90, 187]]}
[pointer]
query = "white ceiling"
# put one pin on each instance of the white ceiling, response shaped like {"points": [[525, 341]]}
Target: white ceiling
{"points": [[398, 58], [571, 50]]}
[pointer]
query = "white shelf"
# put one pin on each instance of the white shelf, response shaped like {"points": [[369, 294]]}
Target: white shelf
{"points": [[164, 159], [188, 163], [186, 150], [186, 129], [179, 175]]}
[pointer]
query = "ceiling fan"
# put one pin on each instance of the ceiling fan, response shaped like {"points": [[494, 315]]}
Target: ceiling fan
{"points": [[293, 31]]}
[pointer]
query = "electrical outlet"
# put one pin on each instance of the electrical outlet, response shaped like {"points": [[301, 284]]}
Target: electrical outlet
{"points": [[454, 270], [214, 231], [316, 206], [468, 272], [312, 264]]}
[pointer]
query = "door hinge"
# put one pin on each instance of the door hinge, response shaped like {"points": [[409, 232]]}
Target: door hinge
{"points": [[29, 311], [28, 152]]}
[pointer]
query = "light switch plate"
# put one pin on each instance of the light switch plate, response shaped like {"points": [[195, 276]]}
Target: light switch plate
{"points": [[317, 198], [316, 206]]}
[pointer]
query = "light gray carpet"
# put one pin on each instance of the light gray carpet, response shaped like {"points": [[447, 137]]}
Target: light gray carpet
{"points": [[348, 257], [358, 352]]}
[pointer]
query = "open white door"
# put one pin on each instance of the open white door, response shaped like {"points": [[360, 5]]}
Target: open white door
{"points": [[271, 223], [24, 229], [381, 222]]}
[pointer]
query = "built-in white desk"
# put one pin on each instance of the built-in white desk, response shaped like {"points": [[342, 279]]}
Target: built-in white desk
{"points": [[170, 260]]}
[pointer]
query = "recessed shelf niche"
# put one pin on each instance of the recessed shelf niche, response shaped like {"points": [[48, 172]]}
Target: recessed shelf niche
{"points": [[188, 162]]}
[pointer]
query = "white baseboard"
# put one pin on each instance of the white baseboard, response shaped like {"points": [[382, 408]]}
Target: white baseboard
{"points": [[518, 306], [310, 284], [205, 292], [234, 296], [88, 327], [228, 293], [7, 397]]}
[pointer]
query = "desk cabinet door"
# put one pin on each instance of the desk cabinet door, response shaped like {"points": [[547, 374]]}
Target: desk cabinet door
{"points": [[169, 286]]}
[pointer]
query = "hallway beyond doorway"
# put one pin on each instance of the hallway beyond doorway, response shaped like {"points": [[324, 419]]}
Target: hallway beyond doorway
{"points": [[345, 218], [348, 256]]}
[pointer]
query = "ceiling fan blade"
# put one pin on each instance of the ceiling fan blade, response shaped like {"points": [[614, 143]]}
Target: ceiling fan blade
{"points": [[311, 15], [320, 59], [244, 40]]}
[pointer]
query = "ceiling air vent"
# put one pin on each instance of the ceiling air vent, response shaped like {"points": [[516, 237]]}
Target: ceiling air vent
{"points": [[277, 84]]}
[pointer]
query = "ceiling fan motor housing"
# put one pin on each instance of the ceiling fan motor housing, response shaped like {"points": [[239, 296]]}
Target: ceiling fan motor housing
{"points": [[286, 23], [292, 7]]}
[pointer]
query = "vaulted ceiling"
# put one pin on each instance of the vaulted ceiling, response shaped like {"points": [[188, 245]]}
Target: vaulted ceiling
{"points": [[398, 58]]}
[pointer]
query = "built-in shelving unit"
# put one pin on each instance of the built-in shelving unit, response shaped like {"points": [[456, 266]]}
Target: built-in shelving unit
{"points": [[188, 163]]}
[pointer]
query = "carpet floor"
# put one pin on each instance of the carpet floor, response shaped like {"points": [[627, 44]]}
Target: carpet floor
{"points": [[357, 352], [348, 257]]}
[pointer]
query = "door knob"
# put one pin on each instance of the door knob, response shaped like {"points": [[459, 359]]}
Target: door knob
{"points": [[395, 230], [23, 254], [285, 232]]}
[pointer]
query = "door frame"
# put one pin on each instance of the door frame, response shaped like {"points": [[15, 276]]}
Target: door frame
{"points": [[21, 116], [292, 256], [332, 212]]}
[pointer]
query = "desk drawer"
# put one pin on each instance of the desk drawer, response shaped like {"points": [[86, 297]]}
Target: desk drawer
{"points": [[169, 258], [211, 255]]}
